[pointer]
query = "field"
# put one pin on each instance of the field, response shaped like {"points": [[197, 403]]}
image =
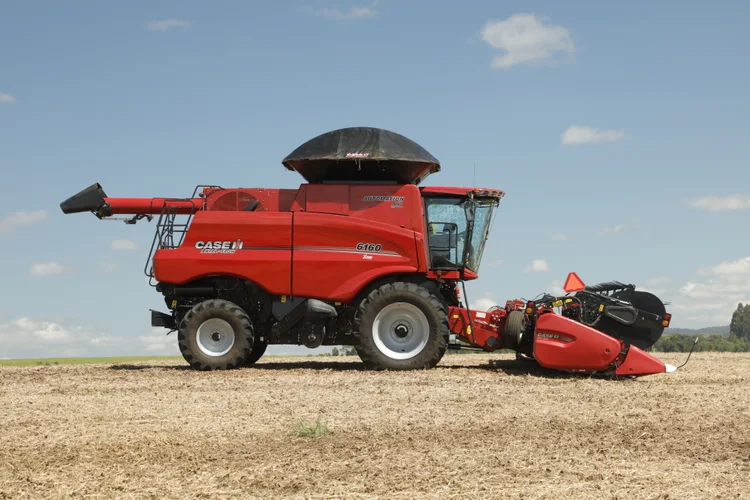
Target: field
{"points": [[83, 361], [478, 426]]}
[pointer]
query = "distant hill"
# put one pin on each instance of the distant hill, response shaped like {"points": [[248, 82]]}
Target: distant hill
{"points": [[720, 330]]}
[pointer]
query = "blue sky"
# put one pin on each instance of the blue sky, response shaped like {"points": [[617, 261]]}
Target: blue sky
{"points": [[618, 131]]}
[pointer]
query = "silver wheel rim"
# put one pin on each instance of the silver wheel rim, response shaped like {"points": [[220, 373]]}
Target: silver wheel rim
{"points": [[215, 337], [401, 330]]}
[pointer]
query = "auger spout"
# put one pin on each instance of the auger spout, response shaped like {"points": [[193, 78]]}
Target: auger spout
{"points": [[94, 199]]}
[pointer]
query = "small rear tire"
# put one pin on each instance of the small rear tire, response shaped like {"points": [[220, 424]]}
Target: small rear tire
{"points": [[515, 325], [216, 335], [401, 326]]}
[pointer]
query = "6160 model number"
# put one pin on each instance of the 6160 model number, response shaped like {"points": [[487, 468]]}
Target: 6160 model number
{"points": [[369, 247]]}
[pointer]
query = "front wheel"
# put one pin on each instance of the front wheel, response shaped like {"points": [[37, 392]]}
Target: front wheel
{"points": [[259, 348], [216, 335], [401, 326]]}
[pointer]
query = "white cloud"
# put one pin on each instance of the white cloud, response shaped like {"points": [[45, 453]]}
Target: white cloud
{"points": [[105, 268], [712, 296], [159, 344], [30, 338], [483, 304], [722, 203], [21, 219], [706, 320], [7, 98], [537, 266], [40, 331], [166, 24], [559, 236], [556, 288], [658, 280], [608, 229], [124, 244], [355, 13], [733, 268], [525, 39], [634, 223], [585, 135], [48, 269]]}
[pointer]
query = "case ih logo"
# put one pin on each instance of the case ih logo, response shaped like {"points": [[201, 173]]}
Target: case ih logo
{"points": [[219, 246], [555, 336]]}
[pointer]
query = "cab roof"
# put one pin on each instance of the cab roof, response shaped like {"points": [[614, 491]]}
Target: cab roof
{"points": [[463, 191]]}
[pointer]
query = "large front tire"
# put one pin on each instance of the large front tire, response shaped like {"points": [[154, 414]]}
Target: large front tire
{"points": [[216, 335], [401, 326]]}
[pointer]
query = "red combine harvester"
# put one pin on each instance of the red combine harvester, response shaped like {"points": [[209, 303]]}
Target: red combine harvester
{"points": [[361, 255]]}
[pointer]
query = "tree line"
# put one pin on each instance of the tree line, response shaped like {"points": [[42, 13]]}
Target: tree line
{"points": [[738, 339]]}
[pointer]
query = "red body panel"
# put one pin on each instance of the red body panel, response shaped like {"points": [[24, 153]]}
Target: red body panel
{"points": [[323, 260], [638, 362], [395, 205], [563, 344], [327, 262], [265, 256], [269, 200]]}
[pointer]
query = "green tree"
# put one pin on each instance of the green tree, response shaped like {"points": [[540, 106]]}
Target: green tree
{"points": [[335, 351], [740, 324]]}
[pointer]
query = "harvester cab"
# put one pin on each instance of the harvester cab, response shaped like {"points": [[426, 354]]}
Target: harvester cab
{"points": [[362, 254], [458, 223]]}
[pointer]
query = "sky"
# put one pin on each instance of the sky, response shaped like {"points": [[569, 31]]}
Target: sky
{"points": [[618, 131]]}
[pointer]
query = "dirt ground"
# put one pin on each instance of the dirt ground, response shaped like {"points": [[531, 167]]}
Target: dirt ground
{"points": [[467, 429]]}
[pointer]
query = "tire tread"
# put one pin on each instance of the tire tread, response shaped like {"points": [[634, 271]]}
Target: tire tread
{"points": [[369, 353], [245, 337]]}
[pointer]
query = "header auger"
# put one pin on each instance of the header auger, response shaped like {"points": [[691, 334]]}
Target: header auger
{"points": [[361, 255]]}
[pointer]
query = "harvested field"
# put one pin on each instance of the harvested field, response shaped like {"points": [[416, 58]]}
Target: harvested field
{"points": [[465, 429]]}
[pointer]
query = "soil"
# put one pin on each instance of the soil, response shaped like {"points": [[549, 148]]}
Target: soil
{"points": [[477, 426]]}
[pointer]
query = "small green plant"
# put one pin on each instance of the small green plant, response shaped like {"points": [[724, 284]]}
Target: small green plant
{"points": [[311, 431]]}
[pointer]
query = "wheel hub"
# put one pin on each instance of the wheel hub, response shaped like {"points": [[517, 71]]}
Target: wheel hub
{"points": [[401, 330], [215, 337]]}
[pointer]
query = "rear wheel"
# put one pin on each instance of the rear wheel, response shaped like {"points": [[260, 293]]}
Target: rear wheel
{"points": [[259, 348], [401, 326], [216, 335]]}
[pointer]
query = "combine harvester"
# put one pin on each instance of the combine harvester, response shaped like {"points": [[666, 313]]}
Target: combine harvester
{"points": [[361, 255]]}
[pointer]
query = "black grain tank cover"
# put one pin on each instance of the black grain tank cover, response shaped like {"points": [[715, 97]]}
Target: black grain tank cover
{"points": [[362, 154]]}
